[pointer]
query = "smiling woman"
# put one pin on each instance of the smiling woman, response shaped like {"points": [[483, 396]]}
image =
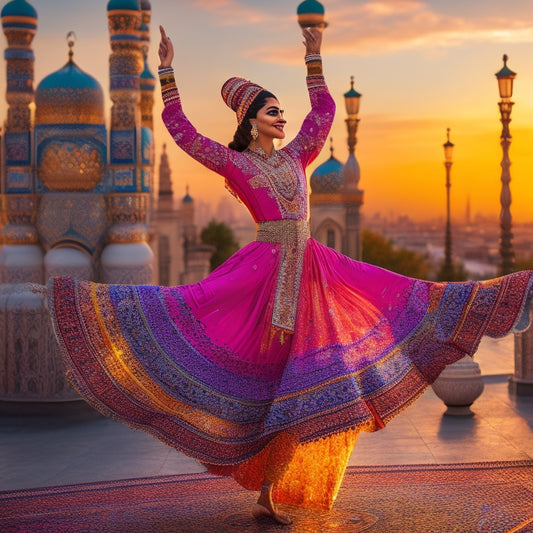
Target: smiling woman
{"points": [[267, 369]]}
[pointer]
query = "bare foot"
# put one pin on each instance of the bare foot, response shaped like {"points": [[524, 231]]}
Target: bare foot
{"points": [[265, 507], [260, 511]]}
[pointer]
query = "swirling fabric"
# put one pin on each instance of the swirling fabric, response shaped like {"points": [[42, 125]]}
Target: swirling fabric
{"points": [[271, 365]]}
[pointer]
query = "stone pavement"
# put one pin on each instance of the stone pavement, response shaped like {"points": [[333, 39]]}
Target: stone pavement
{"points": [[84, 447]]}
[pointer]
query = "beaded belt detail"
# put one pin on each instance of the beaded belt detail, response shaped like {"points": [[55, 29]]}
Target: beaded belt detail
{"points": [[282, 231], [293, 236]]}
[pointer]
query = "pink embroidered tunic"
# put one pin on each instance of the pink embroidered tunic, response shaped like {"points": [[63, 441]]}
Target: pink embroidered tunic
{"points": [[272, 364]]}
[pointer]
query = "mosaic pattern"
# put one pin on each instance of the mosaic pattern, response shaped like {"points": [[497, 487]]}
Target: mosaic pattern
{"points": [[78, 220], [71, 165], [396, 499], [123, 146], [17, 147], [85, 105]]}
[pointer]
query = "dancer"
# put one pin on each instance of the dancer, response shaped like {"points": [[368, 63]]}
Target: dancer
{"points": [[267, 369]]}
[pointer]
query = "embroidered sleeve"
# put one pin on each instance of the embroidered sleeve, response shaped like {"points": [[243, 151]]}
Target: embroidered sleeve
{"points": [[209, 153], [315, 128]]}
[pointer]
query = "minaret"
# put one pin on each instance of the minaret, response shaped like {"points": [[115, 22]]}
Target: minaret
{"points": [[147, 87], [127, 258], [166, 198], [468, 216], [20, 257], [187, 217]]}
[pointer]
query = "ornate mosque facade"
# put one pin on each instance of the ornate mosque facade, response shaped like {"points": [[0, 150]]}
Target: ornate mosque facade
{"points": [[76, 199]]}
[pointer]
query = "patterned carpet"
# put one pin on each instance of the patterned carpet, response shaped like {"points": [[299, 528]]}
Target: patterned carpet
{"points": [[468, 498]]}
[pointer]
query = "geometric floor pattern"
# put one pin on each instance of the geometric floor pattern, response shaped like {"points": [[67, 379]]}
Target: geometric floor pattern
{"points": [[492, 497]]}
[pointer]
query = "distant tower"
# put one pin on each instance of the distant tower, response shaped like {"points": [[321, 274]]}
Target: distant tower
{"points": [[197, 255], [168, 227], [468, 215]]}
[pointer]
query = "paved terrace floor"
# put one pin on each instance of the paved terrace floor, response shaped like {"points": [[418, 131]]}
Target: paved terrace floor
{"points": [[77, 448]]}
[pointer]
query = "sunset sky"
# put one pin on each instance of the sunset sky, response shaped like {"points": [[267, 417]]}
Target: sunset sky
{"points": [[422, 67]]}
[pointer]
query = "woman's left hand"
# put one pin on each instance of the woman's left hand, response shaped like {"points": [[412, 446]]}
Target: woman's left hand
{"points": [[313, 40]]}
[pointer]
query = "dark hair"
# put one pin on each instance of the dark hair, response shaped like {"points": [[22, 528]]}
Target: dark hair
{"points": [[243, 136]]}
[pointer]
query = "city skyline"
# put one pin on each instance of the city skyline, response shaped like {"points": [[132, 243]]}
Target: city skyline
{"points": [[421, 66]]}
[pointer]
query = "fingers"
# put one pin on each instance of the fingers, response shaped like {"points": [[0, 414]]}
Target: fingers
{"points": [[313, 39]]}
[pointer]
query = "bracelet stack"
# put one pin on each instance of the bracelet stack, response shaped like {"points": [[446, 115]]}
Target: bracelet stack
{"points": [[314, 64], [310, 58], [169, 89]]}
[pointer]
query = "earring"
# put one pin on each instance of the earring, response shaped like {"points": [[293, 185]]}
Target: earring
{"points": [[254, 132]]}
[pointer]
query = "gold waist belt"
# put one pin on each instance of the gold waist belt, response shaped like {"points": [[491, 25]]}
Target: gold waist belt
{"points": [[293, 236], [282, 231]]}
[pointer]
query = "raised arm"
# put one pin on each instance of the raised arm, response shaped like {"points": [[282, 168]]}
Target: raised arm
{"points": [[209, 153], [317, 124]]}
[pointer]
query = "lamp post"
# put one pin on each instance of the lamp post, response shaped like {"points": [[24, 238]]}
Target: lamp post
{"points": [[352, 195], [505, 78], [447, 270], [351, 100]]}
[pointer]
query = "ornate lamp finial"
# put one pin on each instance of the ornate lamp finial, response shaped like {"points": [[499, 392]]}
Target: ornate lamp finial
{"points": [[71, 39]]}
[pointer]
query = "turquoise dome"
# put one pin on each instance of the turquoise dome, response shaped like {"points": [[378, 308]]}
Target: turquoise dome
{"points": [[128, 5], [69, 96], [18, 8], [70, 76], [310, 6], [146, 74], [187, 199], [328, 177]]}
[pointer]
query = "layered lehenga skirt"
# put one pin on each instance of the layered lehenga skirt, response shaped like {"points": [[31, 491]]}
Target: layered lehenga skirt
{"points": [[201, 367]]}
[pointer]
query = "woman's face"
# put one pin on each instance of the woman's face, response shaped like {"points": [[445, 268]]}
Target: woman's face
{"points": [[269, 120]]}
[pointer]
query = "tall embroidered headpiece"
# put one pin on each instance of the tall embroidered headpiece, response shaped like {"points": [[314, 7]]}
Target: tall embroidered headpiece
{"points": [[238, 94]]}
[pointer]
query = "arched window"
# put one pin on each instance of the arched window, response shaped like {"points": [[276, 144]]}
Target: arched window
{"points": [[330, 239]]}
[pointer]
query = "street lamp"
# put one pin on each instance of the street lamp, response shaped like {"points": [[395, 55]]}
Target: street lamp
{"points": [[351, 101], [505, 78], [352, 195], [447, 270]]}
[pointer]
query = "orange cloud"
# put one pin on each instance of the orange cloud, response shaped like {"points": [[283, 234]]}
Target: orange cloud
{"points": [[232, 12], [384, 27]]}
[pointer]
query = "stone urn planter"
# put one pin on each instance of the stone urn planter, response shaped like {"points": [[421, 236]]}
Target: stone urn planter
{"points": [[459, 385]]}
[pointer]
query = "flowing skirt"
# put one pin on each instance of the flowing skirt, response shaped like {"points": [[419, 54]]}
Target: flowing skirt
{"points": [[201, 367]]}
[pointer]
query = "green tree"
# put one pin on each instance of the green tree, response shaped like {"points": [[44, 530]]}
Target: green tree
{"points": [[379, 251], [219, 235]]}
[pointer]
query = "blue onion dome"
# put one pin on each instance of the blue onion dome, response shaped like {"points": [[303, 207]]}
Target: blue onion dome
{"points": [[18, 8], [310, 6], [187, 199], [145, 5], [328, 177], [69, 96], [123, 5]]}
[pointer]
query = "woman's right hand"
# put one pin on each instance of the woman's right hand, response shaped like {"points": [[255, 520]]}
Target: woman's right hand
{"points": [[166, 50], [313, 40]]}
